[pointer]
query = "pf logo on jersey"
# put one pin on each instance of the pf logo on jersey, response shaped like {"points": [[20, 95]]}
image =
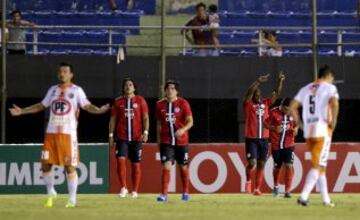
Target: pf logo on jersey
{"points": [[60, 106]]}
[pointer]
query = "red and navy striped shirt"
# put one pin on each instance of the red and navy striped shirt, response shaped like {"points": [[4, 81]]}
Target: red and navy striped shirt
{"points": [[129, 114], [172, 116], [286, 138], [255, 115]]}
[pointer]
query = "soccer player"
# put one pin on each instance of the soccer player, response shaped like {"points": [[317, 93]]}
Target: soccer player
{"points": [[131, 119], [60, 143], [320, 107], [174, 119], [283, 131], [256, 135]]}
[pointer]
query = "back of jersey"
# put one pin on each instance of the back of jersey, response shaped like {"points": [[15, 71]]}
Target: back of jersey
{"points": [[316, 113]]}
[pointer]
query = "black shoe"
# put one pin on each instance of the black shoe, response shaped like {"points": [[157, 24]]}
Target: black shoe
{"points": [[287, 195], [302, 202]]}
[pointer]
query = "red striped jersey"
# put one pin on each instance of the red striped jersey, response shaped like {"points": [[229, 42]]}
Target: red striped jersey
{"points": [[286, 138], [172, 116], [129, 114], [255, 115]]}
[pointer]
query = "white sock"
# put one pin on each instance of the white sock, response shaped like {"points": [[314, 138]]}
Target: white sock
{"points": [[322, 182], [310, 182], [49, 182], [72, 181]]}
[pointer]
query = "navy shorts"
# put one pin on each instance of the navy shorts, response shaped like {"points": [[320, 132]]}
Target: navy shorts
{"points": [[281, 156], [180, 154], [131, 150], [257, 149]]}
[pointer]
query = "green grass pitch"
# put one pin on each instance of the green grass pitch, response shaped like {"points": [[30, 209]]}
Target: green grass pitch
{"points": [[212, 206]]}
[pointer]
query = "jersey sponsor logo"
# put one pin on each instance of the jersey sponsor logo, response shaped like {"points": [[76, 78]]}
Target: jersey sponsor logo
{"points": [[170, 117], [60, 106], [129, 113]]}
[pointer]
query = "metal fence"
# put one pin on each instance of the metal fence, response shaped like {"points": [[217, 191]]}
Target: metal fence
{"points": [[184, 46]]}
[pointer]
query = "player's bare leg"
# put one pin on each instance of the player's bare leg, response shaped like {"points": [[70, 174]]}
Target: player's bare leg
{"points": [[322, 183], [165, 181], [72, 181], [184, 171], [276, 175], [136, 176], [250, 169], [48, 177], [289, 174], [122, 176], [259, 177], [311, 179]]}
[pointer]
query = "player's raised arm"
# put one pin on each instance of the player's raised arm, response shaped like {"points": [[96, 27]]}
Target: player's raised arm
{"points": [[254, 86], [96, 110], [278, 89], [17, 111], [334, 108]]}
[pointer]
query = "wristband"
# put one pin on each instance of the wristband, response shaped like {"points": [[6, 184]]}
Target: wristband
{"points": [[146, 132], [111, 135]]}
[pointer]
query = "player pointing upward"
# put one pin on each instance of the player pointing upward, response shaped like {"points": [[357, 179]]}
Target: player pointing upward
{"points": [[256, 135], [60, 143], [320, 108]]}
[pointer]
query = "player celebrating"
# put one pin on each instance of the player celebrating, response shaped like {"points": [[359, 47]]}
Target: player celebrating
{"points": [[60, 142], [256, 135], [283, 130], [174, 119], [131, 119], [320, 108]]}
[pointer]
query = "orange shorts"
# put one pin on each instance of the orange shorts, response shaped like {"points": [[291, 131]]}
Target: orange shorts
{"points": [[319, 148], [60, 149]]}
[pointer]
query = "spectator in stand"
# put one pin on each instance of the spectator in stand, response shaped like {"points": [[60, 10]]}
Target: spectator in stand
{"points": [[200, 37], [269, 46], [129, 4], [273, 49], [214, 21], [17, 33]]}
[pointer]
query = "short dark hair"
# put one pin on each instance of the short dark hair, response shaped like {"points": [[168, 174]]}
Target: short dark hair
{"points": [[172, 82], [325, 71], [124, 83], [268, 33], [199, 5], [213, 8], [66, 64], [286, 101], [15, 12]]}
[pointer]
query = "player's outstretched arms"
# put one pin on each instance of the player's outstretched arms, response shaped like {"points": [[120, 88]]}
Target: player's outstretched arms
{"points": [[17, 111], [278, 88], [96, 110], [254, 86]]}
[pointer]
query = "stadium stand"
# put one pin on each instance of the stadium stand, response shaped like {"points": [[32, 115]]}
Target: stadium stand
{"points": [[340, 13]]}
